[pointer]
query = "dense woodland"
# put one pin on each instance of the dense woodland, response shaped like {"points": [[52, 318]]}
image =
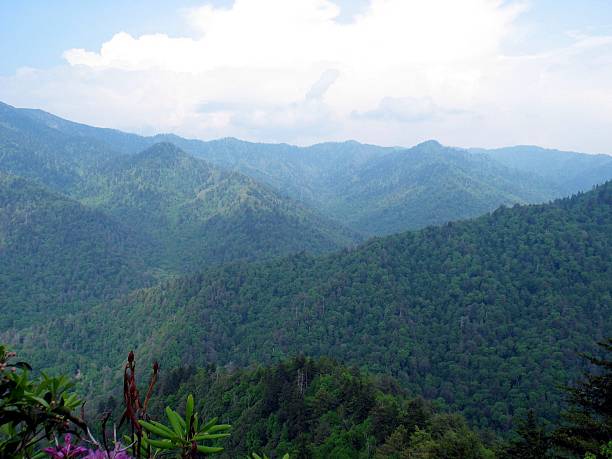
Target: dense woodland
{"points": [[485, 315], [310, 408], [225, 259], [57, 255], [371, 189], [320, 409]]}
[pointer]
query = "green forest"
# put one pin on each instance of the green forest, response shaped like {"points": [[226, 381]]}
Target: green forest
{"points": [[300, 408], [461, 313], [341, 300]]}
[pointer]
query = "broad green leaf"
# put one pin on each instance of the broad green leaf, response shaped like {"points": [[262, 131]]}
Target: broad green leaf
{"points": [[175, 421], [161, 431], [189, 412], [162, 444]]}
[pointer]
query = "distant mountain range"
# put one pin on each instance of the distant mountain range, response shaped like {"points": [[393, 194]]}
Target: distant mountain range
{"points": [[370, 189], [197, 213], [81, 221]]}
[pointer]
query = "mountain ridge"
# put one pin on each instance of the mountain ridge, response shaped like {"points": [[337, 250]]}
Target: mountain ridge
{"points": [[326, 176], [444, 309]]}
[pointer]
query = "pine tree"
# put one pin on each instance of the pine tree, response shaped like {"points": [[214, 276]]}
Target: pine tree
{"points": [[396, 445], [532, 441], [588, 421]]}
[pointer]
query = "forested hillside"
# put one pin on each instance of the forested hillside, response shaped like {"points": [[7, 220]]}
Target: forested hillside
{"points": [[461, 312], [185, 212], [57, 255], [569, 170], [429, 184], [372, 189], [197, 214], [318, 409], [458, 313], [40, 152]]}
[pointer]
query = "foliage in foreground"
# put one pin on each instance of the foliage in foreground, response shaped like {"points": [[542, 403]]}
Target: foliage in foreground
{"points": [[35, 412], [311, 408], [32, 409], [587, 424]]}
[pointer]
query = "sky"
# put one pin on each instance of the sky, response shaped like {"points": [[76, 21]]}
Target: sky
{"points": [[483, 73]]}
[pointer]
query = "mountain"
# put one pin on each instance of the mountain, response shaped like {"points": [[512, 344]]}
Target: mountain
{"points": [[379, 191], [40, 152], [304, 173], [192, 213], [571, 171], [197, 214], [372, 189], [119, 141], [143, 216], [486, 314], [134, 220], [428, 184], [54, 251]]}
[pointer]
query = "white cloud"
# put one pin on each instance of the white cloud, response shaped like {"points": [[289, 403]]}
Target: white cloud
{"points": [[288, 70], [318, 90], [406, 110]]}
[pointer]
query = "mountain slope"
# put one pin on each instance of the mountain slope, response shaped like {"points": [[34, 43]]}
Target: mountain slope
{"points": [[571, 171], [305, 173], [119, 141], [486, 314], [429, 184], [373, 189], [199, 214], [57, 255], [37, 151], [192, 212]]}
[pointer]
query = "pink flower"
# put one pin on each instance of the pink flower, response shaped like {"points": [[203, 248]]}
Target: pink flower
{"points": [[117, 453], [66, 451]]}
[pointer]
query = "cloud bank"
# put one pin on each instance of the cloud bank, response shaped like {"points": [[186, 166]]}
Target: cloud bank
{"points": [[276, 70]]}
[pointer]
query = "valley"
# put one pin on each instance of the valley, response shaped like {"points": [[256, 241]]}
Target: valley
{"points": [[469, 278]]}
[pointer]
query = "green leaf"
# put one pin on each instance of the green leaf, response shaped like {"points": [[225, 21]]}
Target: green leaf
{"points": [[162, 444], [159, 429], [208, 425], [40, 400], [189, 412], [219, 428], [175, 421]]}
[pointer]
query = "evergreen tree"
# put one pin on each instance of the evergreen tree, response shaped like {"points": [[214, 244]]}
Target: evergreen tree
{"points": [[588, 421], [532, 441]]}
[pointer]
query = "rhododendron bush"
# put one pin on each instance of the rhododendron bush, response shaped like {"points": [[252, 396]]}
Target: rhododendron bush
{"points": [[37, 420]]}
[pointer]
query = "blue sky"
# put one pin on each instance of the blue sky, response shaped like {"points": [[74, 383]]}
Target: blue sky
{"points": [[524, 73], [36, 33]]}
